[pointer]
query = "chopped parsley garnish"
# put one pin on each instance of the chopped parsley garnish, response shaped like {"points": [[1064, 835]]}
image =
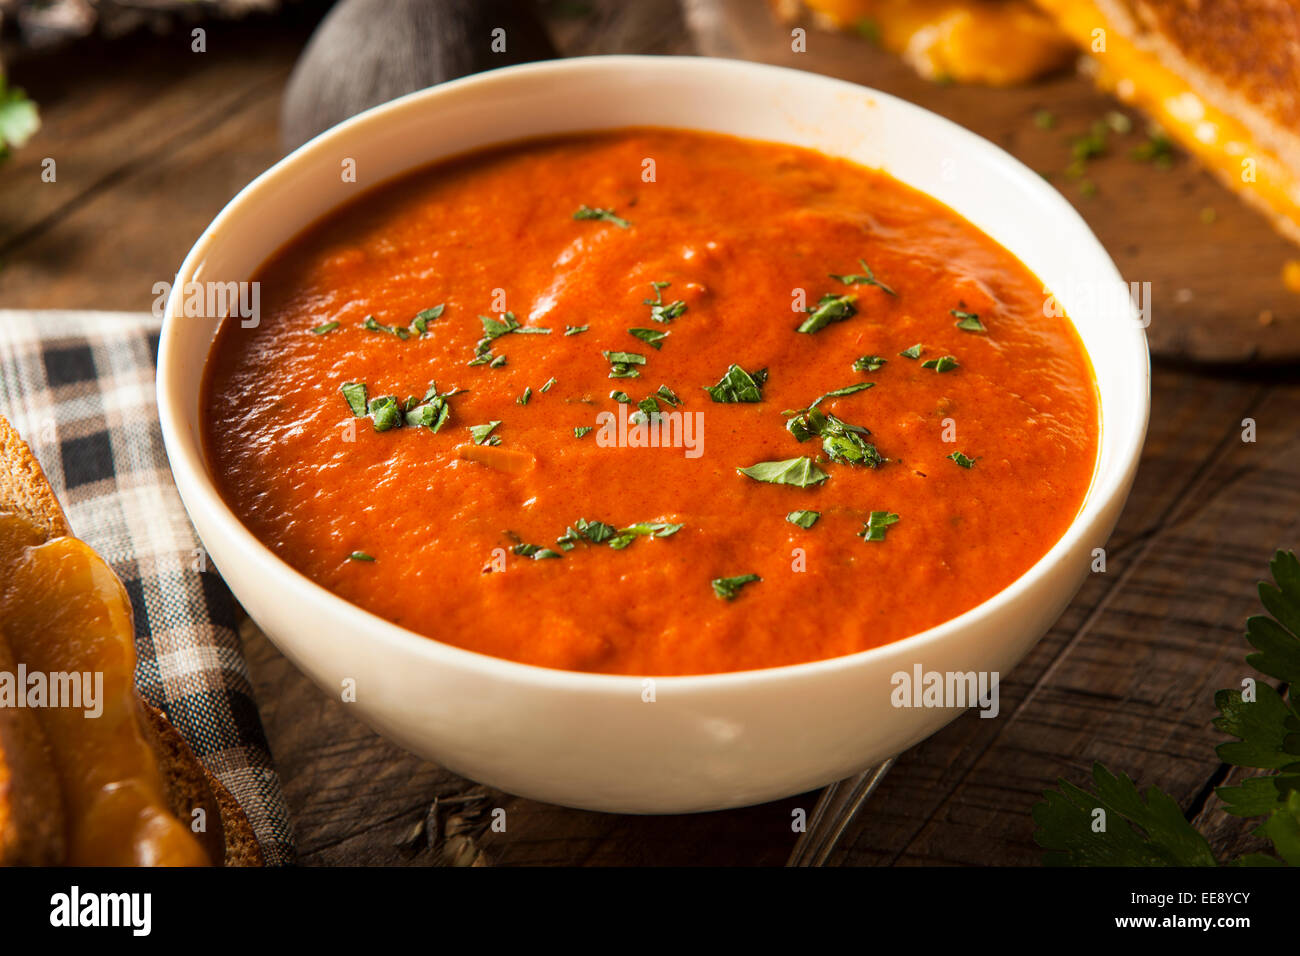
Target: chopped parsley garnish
{"points": [[604, 215], [370, 325], [648, 407], [360, 556], [874, 528], [534, 551], [830, 308], [1158, 149], [584, 531], [945, 363], [623, 364], [523, 399], [668, 395], [968, 321], [385, 412], [422, 318], [729, 588], [801, 472], [651, 337], [804, 519], [913, 353], [325, 328], [869, 363], [962, 460], [547, 386], [493, 329], [841, 392], [737, 385], [582, 430], [355, 394], [867, 278], [842, 442], [482, 434], [659, 311], [623, 398], [575, 329], [432, 410]]}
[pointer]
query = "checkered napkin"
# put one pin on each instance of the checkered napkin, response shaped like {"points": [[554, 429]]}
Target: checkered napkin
{"points": [[79, 386]]}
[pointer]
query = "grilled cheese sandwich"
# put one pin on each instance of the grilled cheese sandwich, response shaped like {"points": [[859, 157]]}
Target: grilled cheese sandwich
{"points": [[1222, 78]]}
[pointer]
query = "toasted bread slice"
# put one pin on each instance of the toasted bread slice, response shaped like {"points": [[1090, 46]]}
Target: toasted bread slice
{"points": [[32, 818], [1221, 77]]}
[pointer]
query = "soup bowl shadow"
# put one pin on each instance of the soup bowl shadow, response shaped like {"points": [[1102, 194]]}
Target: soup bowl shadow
{"points": [[668, 744]]}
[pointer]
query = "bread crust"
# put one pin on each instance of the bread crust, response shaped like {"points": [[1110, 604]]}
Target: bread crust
{"points": [[31, 809], [1242, 56]]}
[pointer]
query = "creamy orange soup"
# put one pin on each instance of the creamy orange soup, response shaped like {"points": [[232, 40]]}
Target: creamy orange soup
{"points": [[653, 402]]}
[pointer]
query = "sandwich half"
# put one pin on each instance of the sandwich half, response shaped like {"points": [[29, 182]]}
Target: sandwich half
{"points": [[90, 774], [1222, 77]]}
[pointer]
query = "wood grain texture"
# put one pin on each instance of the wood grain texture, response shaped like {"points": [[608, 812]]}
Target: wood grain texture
{"points": [[160, 139]]}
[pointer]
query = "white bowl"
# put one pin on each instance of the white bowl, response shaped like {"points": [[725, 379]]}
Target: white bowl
{"points": [[705, 742]]}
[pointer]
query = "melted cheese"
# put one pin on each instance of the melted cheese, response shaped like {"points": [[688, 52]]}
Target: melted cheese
{"points": [[63, 610], [967, 41]]}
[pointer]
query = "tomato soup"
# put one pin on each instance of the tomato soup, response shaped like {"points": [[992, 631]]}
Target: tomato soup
{"points": [[653, 402]]}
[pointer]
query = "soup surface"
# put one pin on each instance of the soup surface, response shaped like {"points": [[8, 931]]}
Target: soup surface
{"points": [[643, 313]]}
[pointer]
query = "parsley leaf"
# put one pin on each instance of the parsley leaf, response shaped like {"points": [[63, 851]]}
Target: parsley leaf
{"points": [[482, 434], [800, 472], [869, 363], [877, 523], [968, 321], [737, 385], [422, 318], [867, 278], [370, 325], [623, 364], [830, 308], [1138, 833], [729, 588], [604, 215], [651, 337], [534, 551], [804, 519], [19, 120], [962, 460], [913, 352], [842, 442], [325, 328], [945, 363], [659, 311]]}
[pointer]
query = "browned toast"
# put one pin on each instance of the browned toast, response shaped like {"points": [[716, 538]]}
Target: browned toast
{"points": [[33, 817], [1220, 76]]}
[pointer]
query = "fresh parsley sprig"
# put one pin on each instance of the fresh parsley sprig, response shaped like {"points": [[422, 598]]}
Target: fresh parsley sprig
{"points": [[1266, 723]]}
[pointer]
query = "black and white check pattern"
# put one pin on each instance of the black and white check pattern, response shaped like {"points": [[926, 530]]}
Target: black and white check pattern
{"points": [[79, 386]]}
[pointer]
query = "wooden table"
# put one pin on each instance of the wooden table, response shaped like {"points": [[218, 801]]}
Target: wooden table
{"points": [[150, 140]]}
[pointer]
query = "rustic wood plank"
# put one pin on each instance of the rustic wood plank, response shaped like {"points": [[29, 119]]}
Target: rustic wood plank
{"points": [[113, 222]]}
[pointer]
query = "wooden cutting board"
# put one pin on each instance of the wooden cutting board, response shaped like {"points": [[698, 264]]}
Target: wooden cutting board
{"points": [[1215, 266]]}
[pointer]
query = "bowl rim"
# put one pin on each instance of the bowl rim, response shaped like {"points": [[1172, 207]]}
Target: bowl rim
{"points": [[196, 485]]}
